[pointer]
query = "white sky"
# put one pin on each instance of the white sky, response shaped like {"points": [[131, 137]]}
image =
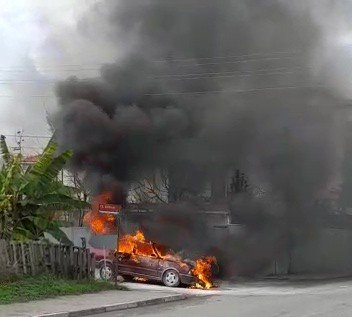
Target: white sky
{"points": [[42, 41], [39, 43]]}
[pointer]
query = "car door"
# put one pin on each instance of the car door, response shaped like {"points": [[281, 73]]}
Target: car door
{"points": [[148, 260], [148, 266], [126, 264], [142, 262]]}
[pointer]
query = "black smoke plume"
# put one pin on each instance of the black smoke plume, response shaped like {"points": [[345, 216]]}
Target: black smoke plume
{"points": [[215, 85]]}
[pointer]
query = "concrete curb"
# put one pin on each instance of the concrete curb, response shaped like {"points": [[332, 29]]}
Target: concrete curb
{"points": [[114, 307]]}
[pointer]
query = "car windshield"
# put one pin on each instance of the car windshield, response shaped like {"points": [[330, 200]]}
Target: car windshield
{"points": [[163, 251], [144, 248]]}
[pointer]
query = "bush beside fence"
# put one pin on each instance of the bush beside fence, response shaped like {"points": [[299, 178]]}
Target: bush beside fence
{"points": [[34, 257]]}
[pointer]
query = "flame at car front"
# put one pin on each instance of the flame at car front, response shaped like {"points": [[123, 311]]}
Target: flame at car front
{"points": [[203, 270]]}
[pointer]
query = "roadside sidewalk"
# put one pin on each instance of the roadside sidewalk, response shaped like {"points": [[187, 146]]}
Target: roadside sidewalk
{"points": [[87, 304]]}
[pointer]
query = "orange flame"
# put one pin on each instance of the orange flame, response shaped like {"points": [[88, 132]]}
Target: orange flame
{"points": [[129, 243], [135, 245], [203, 272], [140, 279], [100, 223]]}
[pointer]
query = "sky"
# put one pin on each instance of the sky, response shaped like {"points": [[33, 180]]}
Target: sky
{"points": [[40, 43], [44, 41]]}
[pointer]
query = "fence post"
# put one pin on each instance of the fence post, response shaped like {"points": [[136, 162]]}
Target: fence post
{"points": [[52, 258], [42, 251], [79, 263], [15, 260], [5, 259], [23, 256], [65, 261], [32, 258], [93, 265], [72, 261], [3, 254], [89, 267], [58, 259]]}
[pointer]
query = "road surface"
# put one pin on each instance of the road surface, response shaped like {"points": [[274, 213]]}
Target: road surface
{"points": [[263, 299]]}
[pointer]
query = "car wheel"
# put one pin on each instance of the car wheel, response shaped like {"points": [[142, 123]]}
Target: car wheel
{"points": [[171, 278], [106, 271]]}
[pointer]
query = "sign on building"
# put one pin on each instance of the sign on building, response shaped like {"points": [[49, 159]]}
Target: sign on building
{"points": [[109, 209]]}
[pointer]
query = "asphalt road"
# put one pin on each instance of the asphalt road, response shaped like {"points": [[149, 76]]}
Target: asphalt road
{"points": [[262, 299]]}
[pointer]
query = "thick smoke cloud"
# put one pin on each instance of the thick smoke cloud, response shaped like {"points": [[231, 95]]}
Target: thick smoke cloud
{"points": [[217, 85]]}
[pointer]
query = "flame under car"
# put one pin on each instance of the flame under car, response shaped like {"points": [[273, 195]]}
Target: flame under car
{"points": [[155, 262]]}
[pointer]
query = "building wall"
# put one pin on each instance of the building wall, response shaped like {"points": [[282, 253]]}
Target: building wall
{"points": [[324, 251], [75, 234], [327, 250]]}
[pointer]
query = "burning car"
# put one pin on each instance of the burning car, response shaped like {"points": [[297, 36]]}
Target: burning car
{"points": [[155, 266], [138, 257]]}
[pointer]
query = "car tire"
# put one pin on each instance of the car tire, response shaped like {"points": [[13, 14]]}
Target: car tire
{"points": [[171, 278], [106, 271]]}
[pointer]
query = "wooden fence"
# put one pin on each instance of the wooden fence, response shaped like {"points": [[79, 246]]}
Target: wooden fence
{"points": [[33, 257]]}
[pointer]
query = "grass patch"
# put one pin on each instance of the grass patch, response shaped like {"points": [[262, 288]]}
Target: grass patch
{"points": [[45, 286]]}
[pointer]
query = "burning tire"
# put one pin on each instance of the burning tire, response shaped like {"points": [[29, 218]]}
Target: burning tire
{"points": [[171, 278]]}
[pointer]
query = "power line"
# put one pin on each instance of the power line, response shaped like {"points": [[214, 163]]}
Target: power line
{"points": [[53, 69], [96, 66], [29, 136], [10, 81], [27, 96], [199, 92], [29, 147], [231, 72], [229, 76], [225, 57], [185, 77], [259, 72], [233, 91], [233, 62]]}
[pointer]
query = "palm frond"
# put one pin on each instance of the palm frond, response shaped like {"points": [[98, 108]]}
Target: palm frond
{"points": [[31, 199], [48, 152], [55, 202], [10, 175], [45, 171]]}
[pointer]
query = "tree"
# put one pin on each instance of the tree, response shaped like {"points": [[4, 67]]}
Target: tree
{"points": [[239, 183], [31, 198], [152, 189], [81, 193]]}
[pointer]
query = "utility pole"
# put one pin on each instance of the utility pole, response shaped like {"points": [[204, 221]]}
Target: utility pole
{"points": [[19, 139]]}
